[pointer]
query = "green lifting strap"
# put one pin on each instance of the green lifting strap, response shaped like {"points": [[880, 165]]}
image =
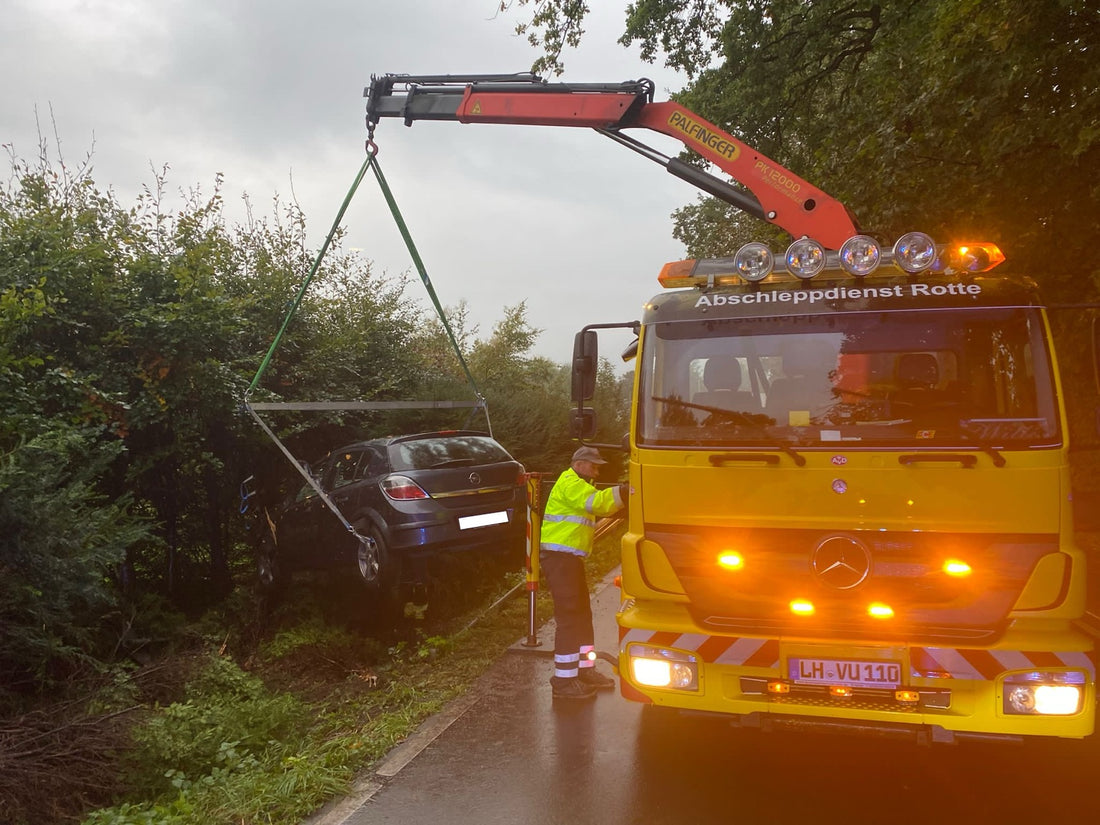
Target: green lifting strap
{"points": [[305, 284], [372, 163]]}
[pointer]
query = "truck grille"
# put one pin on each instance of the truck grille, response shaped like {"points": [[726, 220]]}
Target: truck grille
{"points": [[842, 573]]}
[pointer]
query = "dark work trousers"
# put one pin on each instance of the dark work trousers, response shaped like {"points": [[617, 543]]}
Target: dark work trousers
{"points": [[565, 576]]}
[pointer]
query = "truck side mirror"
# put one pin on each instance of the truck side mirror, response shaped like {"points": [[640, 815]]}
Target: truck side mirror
{"points": [[585, 359], [582, 424], [631, 352]]}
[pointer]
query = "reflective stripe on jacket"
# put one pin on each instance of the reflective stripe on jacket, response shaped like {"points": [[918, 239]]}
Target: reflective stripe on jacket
{"points": [[569, 523]]}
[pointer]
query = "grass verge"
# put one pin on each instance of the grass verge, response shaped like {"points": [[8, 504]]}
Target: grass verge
{"points": [[270, 731]]}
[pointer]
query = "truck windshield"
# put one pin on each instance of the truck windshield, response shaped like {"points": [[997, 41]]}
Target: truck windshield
{"points": [[975, 377]]}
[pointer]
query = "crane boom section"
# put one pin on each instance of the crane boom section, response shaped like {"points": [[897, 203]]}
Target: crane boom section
{"points": [[778, 195]]}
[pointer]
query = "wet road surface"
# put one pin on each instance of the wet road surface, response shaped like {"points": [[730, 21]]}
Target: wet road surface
{"points": [[507, 754]]}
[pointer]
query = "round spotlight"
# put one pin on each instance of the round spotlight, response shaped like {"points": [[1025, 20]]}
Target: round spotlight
{"points": [[805, 258], [860, 255], [914, 252], [754, 261]]}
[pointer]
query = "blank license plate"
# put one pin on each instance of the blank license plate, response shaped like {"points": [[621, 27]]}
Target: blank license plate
{"points": [[484, 520], [851, 673]]}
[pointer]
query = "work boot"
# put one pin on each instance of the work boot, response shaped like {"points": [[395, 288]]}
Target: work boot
{"points": [[592, 677], [563, 688]]}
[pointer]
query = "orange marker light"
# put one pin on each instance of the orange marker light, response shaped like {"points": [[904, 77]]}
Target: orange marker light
{"points": [[802, 607], [974, 257], [840, 690], [731, 560], [778, 687], [677, 274], [878, 610], [957, 568], [908, 697]]}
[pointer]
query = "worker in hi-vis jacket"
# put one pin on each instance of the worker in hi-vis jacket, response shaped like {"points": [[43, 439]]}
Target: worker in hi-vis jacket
{"points": [[568, 529]]}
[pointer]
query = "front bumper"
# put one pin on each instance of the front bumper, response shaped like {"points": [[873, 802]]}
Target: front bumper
{"points": [[947, 692]]}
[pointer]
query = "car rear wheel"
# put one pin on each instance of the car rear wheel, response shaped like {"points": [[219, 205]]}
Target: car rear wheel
{"points": [[380, 572], [369, 560]]}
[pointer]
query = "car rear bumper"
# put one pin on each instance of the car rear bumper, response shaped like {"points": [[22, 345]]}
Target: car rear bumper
{"points": [[428, 537]]}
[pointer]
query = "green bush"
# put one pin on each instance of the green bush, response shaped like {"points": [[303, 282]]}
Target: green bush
{"points": [[228, 722], [61, 543]]}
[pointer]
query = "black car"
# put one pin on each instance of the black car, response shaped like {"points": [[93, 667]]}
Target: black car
{"points": [[411, 497]]}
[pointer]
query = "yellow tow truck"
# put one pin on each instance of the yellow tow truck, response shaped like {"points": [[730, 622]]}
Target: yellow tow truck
{"points": [[850, 497]]}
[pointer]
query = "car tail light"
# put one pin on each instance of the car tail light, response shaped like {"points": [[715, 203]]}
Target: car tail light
{"points": [[402, 488]]}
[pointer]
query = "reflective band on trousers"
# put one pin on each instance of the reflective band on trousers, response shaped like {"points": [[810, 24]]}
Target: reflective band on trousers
{"points": [[566, 664]]}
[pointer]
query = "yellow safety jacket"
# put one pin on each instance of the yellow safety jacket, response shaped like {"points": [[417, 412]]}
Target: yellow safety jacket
{"points": [[569, 522]]}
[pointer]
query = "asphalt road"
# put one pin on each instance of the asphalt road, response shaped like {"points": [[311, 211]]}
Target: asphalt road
{"points": [[506, 753]]}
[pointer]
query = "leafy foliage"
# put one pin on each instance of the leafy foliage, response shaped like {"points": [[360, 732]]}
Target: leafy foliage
{"points": [[967, 120], [127, 340], [230, 751], [227, 718], [60, 541], [961, 119]]}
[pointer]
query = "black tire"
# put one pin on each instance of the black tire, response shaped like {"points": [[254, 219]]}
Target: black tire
{"points": [[370, 559], [380, 574]]}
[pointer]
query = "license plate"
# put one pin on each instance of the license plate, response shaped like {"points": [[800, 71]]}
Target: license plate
{"points": [[484, 520], [847, 672]]}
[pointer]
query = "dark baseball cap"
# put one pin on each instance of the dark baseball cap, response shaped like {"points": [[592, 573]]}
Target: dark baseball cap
{"points": [[588, 454]]}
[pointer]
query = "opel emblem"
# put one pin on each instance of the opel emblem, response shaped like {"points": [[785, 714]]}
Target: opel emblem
{"points": [[474, 479], [841, 562]]}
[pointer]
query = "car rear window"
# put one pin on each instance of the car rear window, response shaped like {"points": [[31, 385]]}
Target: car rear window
{"points": [[446, 451]]}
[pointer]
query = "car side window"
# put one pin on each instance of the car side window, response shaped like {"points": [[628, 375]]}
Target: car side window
{"points": [[373, 464], [344, 468]]}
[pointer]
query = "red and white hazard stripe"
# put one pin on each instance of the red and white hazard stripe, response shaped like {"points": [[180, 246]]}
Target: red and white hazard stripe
{"points": [[725, 650], [986, 665], [936, 662]]}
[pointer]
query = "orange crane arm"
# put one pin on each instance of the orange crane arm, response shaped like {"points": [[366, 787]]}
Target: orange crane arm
{"points": [[775, 194]]}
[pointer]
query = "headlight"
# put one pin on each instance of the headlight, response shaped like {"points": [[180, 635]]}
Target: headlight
{"points": [[663, 668], [1038, 693]]}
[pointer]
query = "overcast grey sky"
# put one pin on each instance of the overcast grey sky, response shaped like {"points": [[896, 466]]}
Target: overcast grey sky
{"points": [[269, 93]]}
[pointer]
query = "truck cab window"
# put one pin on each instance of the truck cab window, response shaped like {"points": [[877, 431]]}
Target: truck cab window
{"points": [[948, 379]]}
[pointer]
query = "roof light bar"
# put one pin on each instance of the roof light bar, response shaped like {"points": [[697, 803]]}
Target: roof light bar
{"points": [[859, 256]]}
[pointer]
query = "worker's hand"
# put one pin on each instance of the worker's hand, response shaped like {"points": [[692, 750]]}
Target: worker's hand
{"points": [[624, 492]]}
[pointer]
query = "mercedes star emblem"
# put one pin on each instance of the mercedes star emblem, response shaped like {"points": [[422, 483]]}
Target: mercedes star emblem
{"points": [[841, 562]]}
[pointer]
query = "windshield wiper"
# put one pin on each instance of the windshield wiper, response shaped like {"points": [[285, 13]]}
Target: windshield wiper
{"points": [[988, 449], [758, 421]]}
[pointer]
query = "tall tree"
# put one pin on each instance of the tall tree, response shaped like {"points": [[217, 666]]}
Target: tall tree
{"points": [[127, 339], [964, 119]]}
